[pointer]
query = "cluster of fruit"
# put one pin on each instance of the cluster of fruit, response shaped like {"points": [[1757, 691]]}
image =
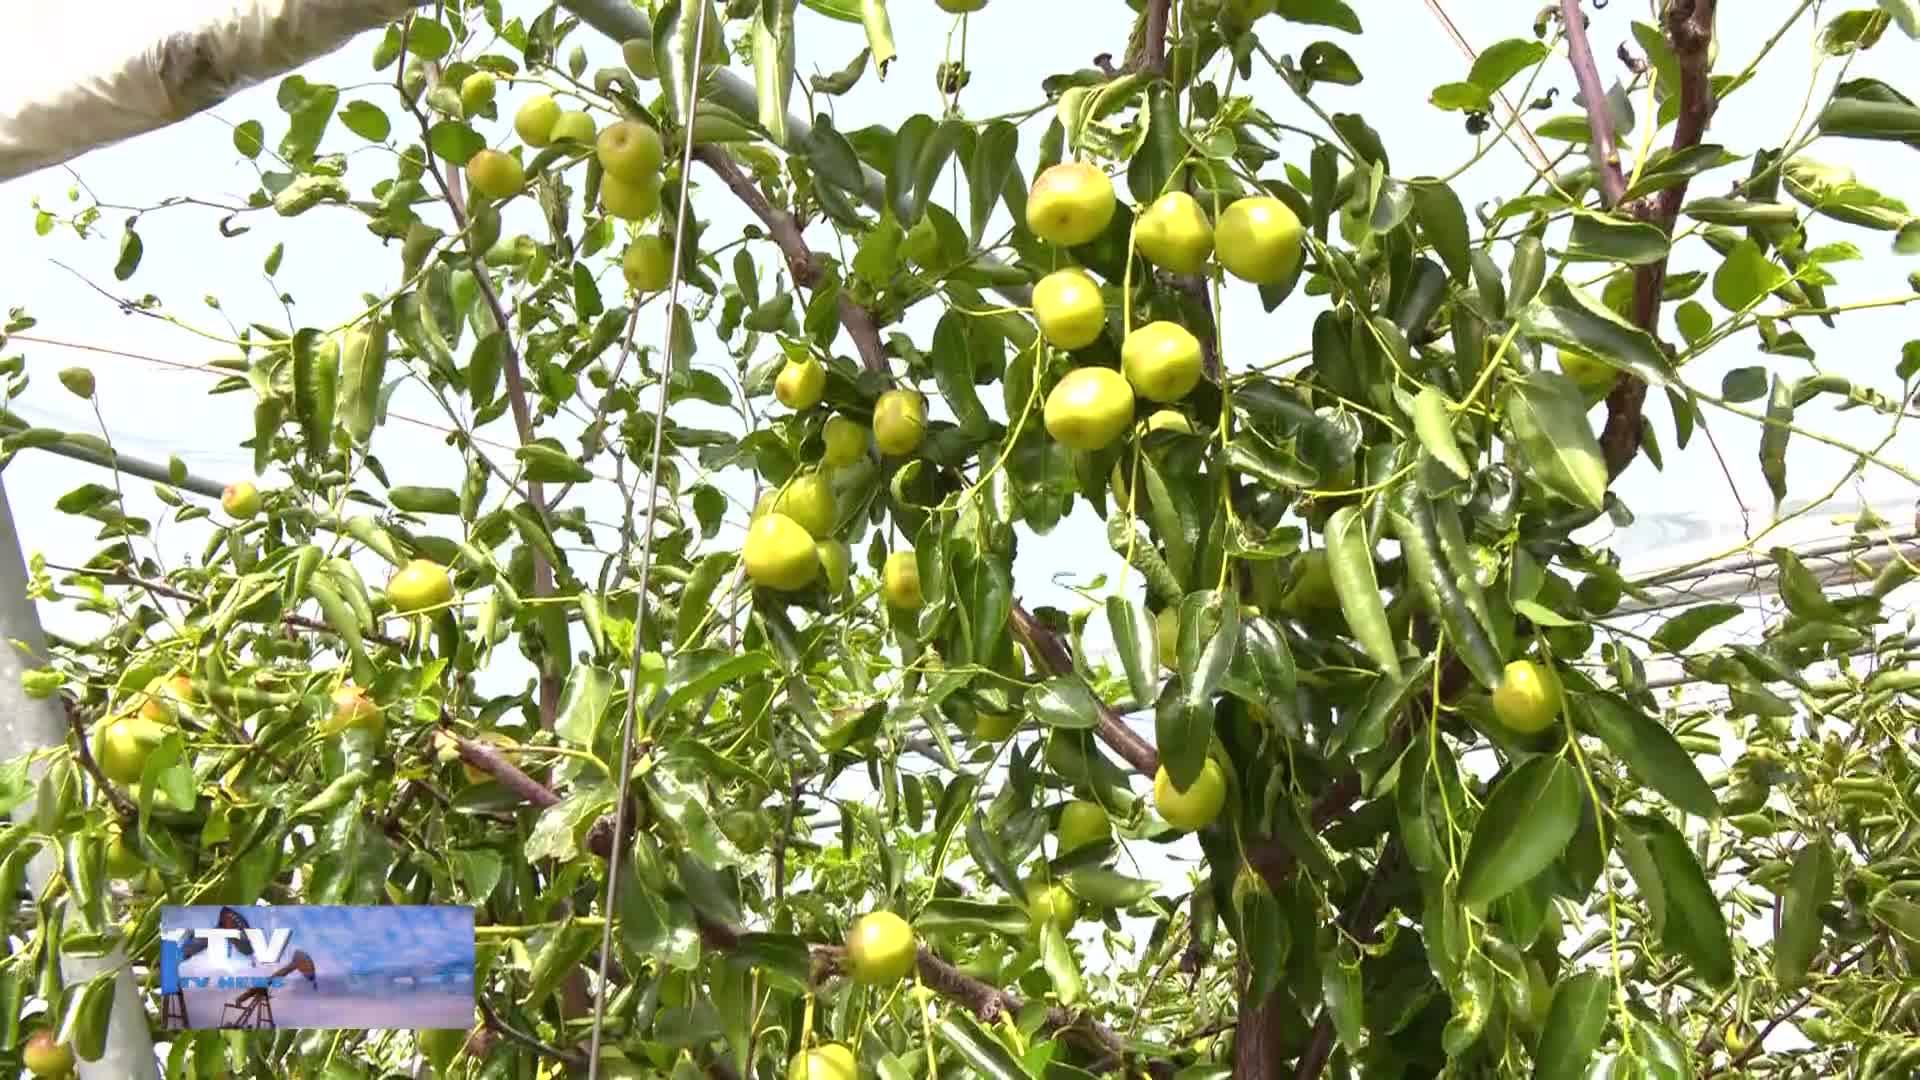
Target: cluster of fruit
{"points": [[630, 155], [1258, 239]]}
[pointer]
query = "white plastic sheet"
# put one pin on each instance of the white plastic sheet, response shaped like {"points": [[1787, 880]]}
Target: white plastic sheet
{"points": [[80, 74]]}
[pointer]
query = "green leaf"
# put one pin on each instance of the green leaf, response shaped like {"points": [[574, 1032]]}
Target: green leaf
{"points": [[1809, 887], [1773, 439], [1685, 628], [953, 373], [249, 138], [1549, 420], [583, 701], [546, 463], [987, 852], [83, 1024], [1345, 994], [1350, 561], [1608, 238], [309, 108], [1108, 888], [1323, 61], [945, 914], [1801, 589], [1209, 637], [693, 675], [1460, 97], [1745, 276], [984, 1054], [424, 500], [1332, 13], [1502, 60], [1651, 752], [1570, 318], [131, 248], [1863, 118], [316, 386], [1133, 639], [1443, 221], [1433, 424], [773, 65], [1575, 1025], [1692, 925], [1064, 702], [366, 120], [1529, 818], [1056, 956], [989, 169]]}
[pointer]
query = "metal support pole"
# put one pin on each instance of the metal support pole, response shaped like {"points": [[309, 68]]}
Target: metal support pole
{"points": [[26, 725]]}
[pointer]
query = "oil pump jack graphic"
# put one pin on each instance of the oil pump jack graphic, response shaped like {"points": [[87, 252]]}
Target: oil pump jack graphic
{"points": [[252, 1007]]}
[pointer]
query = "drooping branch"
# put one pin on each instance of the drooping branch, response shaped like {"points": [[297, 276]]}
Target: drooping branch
{"points": [[83, 753], [161, 588], [1689, 30], [802, 263]]}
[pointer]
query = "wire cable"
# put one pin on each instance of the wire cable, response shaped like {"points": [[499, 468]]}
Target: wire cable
{"points": [[625, 760]]}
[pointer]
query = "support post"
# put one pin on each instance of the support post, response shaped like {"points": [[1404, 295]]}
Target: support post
{"points": [[26, 725]]}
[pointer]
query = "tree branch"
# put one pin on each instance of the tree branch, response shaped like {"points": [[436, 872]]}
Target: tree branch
{"points": [[1113, 729], [510, 367], [802, 263], [1593, 96], [1758, 1045], [1689, 29], [1362, 923], [1152, 57]]}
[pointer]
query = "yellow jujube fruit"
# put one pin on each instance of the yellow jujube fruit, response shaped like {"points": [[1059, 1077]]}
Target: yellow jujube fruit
{"points": [[1067, 305], [1258, 240], [899, 422], [846, 442], [779, 554], [800, 384], [829, 1061], [1070, 204], [900, 581], [1162, 361], [629, 201], [496, 175], [1528, 698], [1174, 234], [121, 747], [1050, 904], [648, 263], [476, 92], [353, 708], [241, 501], [880, 948], [534, 122], [419, 585], [808, 500], [1089, 408], [1083, 823], [1196, 807], [960, 7], [573, 126], [630, 151]]}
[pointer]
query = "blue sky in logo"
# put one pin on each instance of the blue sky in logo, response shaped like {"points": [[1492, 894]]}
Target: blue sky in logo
{"points": [[345, 940]]}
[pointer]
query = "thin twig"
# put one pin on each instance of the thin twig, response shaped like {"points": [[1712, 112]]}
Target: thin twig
{"points": [[1113, 729], [531, 1042], [1606, 154], [1758, 1045]]}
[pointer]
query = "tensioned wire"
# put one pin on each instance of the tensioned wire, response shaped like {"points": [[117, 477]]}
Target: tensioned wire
{"points": [[689, 106]]}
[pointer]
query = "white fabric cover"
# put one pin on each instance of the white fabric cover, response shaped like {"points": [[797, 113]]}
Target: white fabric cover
{"points": [[80, 74]]}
